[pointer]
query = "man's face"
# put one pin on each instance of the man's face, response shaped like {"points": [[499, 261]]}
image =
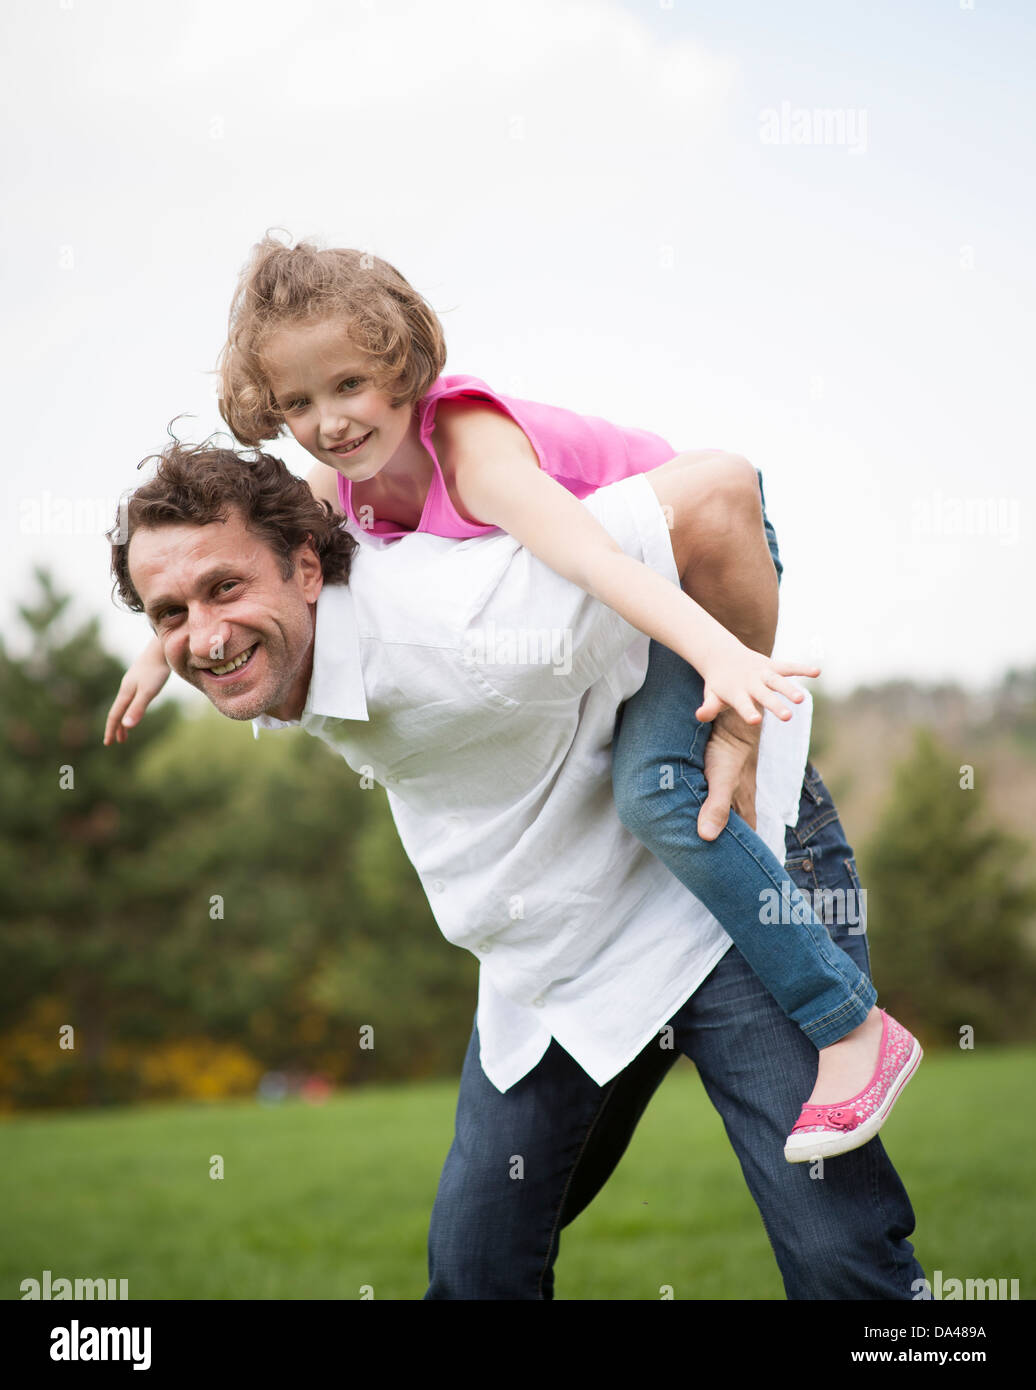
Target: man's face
{"points": [[214, 594]]}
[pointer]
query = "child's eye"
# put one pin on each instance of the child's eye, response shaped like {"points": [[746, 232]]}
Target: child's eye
{"points": [[294, 405], [351, 382]]}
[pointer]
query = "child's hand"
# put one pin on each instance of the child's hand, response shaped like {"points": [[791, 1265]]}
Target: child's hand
{"points": [[742, 679], [141, 683]]}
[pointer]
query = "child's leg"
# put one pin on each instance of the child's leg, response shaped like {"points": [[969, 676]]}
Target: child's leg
{"points": [[659, 784]]}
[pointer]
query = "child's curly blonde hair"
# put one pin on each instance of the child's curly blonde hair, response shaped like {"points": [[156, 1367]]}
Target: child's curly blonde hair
{"points": [[281, 285]]}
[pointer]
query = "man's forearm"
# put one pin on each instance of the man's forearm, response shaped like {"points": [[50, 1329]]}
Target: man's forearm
{"points": [[725, 565], [731, 571]]}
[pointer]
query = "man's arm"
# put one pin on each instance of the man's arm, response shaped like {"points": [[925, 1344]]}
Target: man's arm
{"points": [[728, 568], [721, 543]]}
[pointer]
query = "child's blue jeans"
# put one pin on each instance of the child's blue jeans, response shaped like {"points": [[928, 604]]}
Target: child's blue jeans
{"points": [[735, 876]]}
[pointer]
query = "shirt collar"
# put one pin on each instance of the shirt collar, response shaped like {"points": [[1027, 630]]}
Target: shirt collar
{"points": [[336, 688]]}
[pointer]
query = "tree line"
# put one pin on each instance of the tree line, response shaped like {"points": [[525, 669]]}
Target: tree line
{"points": [[192, 911]]}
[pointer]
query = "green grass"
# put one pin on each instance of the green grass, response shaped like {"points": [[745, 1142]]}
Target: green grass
{"points": [[318, 1201]]}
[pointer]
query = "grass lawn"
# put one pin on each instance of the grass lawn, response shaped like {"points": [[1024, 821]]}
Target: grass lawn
{"points": [[318, 1201]]}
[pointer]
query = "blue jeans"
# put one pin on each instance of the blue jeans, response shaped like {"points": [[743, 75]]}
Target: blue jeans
{"points": [[843, 1236], [658, 777]]}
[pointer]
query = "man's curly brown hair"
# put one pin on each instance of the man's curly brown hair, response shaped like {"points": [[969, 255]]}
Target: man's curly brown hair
{"points": [[200, 484]]}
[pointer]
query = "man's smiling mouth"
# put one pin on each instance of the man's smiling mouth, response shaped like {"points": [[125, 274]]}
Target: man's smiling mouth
{"points": [[239, 661]]}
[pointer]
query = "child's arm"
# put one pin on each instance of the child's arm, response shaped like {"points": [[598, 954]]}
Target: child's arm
{"points": [[149, 673], [141, 683], [498, 480], [323, 483]]}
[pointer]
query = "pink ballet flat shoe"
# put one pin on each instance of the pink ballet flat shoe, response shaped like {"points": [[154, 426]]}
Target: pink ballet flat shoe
{"points": [[822, 1131]]}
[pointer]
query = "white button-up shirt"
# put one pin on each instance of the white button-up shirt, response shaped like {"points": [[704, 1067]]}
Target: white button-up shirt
{"points": [[481, 689]]}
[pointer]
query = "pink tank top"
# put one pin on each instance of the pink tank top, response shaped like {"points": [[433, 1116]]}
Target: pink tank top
{"points": [[581, 452]]}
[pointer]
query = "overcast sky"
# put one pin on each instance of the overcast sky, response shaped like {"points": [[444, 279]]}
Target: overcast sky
{"points": [[800, 231]]}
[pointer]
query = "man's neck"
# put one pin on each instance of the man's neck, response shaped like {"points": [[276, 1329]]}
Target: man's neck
{"points": [[293, 702]]}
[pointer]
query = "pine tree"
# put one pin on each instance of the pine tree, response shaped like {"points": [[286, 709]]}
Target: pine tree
{"points": [[950, 903], [76, 901]]}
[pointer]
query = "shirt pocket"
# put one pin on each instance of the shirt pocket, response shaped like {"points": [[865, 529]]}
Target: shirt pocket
{"points": [[487, 693]]}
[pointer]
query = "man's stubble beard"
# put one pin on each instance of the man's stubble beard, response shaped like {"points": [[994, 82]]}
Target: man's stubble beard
{"points": [[262, 700]]}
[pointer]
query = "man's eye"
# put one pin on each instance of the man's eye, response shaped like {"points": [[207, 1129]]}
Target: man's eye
{"points": [[227, 584]]}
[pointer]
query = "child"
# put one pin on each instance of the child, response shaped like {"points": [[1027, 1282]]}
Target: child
{"points": [[338, 346]]}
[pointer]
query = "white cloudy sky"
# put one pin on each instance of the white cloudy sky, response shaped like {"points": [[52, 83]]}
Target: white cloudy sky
{"points": [[605, 205]]}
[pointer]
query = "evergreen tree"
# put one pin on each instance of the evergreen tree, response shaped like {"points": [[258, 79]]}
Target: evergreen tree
{"points": [[75, 826], [950, 904]]}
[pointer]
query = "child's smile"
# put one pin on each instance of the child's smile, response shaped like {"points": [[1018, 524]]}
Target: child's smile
{"points": [[353, 446], [326, 390]]}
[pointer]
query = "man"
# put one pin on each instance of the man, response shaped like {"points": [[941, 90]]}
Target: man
{"points": [[596, 965]]}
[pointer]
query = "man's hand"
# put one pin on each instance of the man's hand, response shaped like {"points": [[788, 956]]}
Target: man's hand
{"points": [[731, 756]]}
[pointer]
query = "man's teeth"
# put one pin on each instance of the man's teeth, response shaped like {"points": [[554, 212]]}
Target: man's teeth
{"points": [[233, 665]]}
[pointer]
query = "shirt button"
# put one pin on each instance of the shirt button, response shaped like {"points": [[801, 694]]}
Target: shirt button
{"points": [[485, 946], [438, 886], [538, 1003]]}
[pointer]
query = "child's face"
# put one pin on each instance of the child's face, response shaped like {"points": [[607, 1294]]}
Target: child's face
{"points": [[322, 383]]}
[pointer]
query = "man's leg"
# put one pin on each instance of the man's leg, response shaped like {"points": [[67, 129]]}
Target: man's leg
{"points": [[843, 1236], [839, 1230], [525, 1163]]}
